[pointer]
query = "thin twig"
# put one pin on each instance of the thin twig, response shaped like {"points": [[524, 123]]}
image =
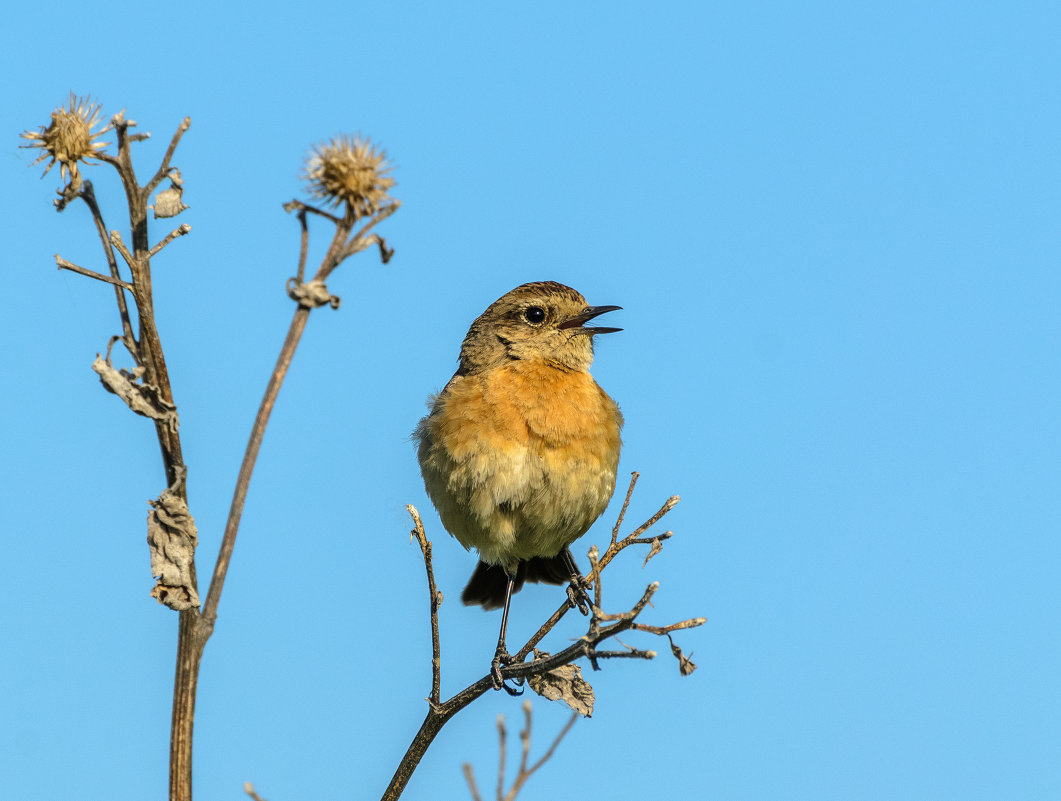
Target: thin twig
{"points": [[626, 505], [115, 239], [63, 264], [359, 241], [524, 772], [163, 169], [180, 230], [668, 504], [502, 736], [435, 600], [303, 246], [293, 205], [250, 456], [88, 194], [691, 623], [469, 776], [666, 535], [525, 737]]}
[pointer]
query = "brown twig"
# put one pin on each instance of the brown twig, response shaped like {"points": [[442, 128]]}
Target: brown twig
{"points": [[525, 737], [163, 169], [439, 714], [524, 772], [63, 264], [88, 194], [502, 739], [303, 245], [634, 476], [299, 206], [434, 599], [180, 230], [469, 776], [359, 241], [250, 457]]}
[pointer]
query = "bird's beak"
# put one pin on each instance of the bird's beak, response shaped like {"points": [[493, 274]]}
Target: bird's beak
{"points": [[577, 322]]}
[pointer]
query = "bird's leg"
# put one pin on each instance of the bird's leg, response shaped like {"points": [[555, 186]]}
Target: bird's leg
{"points": [[576, 590], [501, 654]]}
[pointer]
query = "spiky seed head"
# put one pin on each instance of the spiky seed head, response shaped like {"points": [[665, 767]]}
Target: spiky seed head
{"points": [[348, 170], [69, 138]]}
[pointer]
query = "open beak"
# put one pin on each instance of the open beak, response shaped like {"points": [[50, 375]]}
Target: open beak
{"points": [[578, 321]]}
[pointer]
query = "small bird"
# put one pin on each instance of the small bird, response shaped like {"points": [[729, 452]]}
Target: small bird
{"points": [[520, 449]]}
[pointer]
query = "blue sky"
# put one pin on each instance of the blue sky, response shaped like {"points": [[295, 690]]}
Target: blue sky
{"points": [[834, 231]]}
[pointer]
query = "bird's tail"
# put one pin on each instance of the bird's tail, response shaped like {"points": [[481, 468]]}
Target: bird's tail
{"points": [[486, 587]]}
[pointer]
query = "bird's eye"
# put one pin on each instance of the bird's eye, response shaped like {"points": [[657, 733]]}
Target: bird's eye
{"points": [[534, 314]]}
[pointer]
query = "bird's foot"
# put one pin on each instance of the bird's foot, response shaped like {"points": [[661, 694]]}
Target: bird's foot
{"points": [[500, 660], [577, 597]]}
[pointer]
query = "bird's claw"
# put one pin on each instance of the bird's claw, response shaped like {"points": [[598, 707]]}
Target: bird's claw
{"points": [[578, 598], [502, 658]]}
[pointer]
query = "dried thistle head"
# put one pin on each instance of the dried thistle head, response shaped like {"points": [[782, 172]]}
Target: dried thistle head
{"points": [[349, 170], [69, 138]]}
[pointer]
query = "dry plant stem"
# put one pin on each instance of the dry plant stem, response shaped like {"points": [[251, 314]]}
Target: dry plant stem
{"points": [[88, 194], [149, 355], [469, 776], [435, 601], [634, 476], [63, 264], [150, 351], [502, 740], [250, 456], [438, 714], [180, 230], [303, 246], [524, 772]]}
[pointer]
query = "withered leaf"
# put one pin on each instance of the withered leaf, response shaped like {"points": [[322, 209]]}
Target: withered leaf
{"points": [[655, 548], [144, 399], [311, 294], [171, 538], [168, 202], [685, 664], [566, 684]]}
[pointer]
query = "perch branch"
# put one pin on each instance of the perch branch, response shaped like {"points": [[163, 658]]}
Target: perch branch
{"points": [[438, 714]]}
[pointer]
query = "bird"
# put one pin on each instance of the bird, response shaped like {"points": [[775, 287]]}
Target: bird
{"points": [[519, 451]]}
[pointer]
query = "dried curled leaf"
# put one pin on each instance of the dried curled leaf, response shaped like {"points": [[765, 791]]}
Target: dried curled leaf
{"points": [[172, 537], [685, 664], [566, 684], [656, 547], [311, 294], [144, 399], [168, 202]]}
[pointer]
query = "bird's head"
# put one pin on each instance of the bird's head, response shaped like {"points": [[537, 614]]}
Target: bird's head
{"points": [[542, 321]]}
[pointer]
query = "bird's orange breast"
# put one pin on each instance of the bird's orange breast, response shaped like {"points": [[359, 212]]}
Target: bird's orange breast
{"points": [[521, 459]]}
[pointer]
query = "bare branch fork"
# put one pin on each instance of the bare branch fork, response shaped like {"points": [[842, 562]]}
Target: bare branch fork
{"points": [[523, 772], [146, 388], [550, 675]]}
